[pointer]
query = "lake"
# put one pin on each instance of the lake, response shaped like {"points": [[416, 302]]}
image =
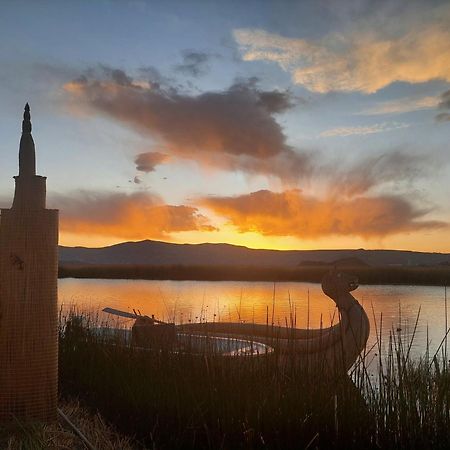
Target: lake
{"points": [[300, 304]]}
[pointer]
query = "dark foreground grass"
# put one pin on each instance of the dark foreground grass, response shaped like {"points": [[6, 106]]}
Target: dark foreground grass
{"points": [[59, 436], [170, 401], [417, 275]]}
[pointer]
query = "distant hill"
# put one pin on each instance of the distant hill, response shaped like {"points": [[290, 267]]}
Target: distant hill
{"points": [[342, 262], [350, 261], [163, 253]]}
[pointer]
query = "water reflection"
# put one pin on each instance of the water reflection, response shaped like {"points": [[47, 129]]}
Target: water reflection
{"points": [[394, 308]]}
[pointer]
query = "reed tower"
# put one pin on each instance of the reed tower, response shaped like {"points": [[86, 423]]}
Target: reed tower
{"points": [[28, 295]]}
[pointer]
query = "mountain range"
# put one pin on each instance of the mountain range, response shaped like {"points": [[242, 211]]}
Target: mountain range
{"points": [[163, 253]]}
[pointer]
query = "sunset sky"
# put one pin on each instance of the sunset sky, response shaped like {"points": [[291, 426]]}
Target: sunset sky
{"points": [[270, 124]]}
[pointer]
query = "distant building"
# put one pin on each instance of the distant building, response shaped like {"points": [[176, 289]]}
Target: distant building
{"points": [[28, 295]]}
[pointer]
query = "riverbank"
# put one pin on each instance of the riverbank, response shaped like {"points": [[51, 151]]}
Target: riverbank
{"points": [[183, 401], [406, 275]]}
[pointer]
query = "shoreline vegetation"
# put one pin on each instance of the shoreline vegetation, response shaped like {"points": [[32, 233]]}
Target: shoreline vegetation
{"points": [[59, 436], [121, 396], [406, 275], [166, 400]]}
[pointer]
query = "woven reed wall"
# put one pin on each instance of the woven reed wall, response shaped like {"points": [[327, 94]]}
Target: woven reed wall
{"points": [[28, 314]]}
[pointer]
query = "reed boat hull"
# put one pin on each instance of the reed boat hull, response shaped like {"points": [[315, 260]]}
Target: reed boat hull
{"points": [[328, 350], [333, 349], [192, 343]]}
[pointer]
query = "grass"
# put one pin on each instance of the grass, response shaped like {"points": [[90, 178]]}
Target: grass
{"points": [[171, 401], [415, 275], [59, 436]]}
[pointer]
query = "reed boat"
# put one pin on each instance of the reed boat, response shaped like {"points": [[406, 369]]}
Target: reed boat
{"points": [[332, 349], [151, 334]]}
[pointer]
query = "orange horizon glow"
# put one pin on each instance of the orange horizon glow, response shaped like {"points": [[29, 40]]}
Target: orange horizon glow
{"points": [[430, 243], [261, 220]]}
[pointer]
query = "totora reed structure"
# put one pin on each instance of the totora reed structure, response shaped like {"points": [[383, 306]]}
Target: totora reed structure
{"points": [[28, 295]]}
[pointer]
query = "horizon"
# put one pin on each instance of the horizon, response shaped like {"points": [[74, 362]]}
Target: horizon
{"points": [[255, 248], [296, 126]]}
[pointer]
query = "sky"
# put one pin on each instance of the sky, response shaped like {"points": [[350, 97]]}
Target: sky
{"points": [[270, 124]]}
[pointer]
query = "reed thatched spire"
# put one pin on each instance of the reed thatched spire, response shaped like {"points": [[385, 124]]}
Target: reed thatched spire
{"points": [[27, 156], [26, 123]]}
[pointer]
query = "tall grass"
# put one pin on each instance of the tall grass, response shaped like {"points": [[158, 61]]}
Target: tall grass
{"points": [[173, 401], [58, 436]]}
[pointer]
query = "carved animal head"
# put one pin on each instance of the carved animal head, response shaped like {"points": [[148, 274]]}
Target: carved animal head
{"points": [[337, 284]]}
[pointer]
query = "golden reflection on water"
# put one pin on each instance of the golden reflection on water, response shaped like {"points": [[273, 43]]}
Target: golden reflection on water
{"points": [[297, 304]]}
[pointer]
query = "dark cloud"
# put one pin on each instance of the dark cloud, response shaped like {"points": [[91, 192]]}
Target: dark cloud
{"points": [[444, 104], [291, 213], [135, 216], [194, 63], [137, 180], [395, 167], [118, 76], [275, 101], [443, 117], [154, 77], [445, 100], [231, 129], [146, 162]]}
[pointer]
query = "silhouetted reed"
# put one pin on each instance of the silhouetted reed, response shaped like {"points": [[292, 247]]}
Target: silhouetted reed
{"points": [[415, 275], [186, 400]]}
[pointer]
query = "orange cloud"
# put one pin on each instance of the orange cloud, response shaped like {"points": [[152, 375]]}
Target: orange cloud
{"points": [[135, 216], [363, 130], [291, 213], [364, 61], [400, 106]]}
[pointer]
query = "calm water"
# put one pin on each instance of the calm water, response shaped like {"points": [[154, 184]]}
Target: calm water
{"points": [[184, 301]]}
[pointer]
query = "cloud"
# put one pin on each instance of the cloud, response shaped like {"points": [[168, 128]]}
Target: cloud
{"points": [[21, 76], [443, 117], [291, 213], [135, 216], [234, 129], [444, 103], [118, 76], [275, 101], [445, 100], [194, 63], [153, 77], [363, 130], [374, 171], [365, 60], [146, 162], [400, 106]]}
